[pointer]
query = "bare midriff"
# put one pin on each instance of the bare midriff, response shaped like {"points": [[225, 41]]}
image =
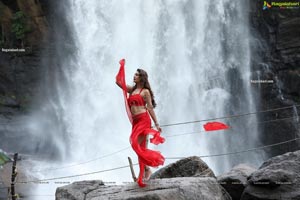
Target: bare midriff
{"points": [[135, 110]]}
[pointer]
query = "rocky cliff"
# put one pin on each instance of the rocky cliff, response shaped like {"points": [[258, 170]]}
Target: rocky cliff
{"points": [[29, 31], [24, 38], [276, 56], [23, 26]]}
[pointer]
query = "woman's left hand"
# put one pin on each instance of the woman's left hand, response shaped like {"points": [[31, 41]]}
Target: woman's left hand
{"points": [[158, 128]]}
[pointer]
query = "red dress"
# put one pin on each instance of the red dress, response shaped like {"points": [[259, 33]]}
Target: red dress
{"points": [[141, 126]]}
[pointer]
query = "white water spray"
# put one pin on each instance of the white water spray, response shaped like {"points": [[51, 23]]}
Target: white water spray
{"points": [[198, 59]]}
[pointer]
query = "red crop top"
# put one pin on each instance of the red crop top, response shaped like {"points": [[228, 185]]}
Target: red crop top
{"points": [[136, 100]]}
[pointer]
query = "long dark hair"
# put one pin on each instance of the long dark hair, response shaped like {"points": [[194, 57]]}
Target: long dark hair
{"points": [[144, 80]]}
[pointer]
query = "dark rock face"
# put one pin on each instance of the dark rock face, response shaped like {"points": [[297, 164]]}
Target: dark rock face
{"points": [[276, 56], [187, 167], [20, 72], [181, 188], [277, 178], [235, 180], [19, 80], [23, 75], [35, 21]]}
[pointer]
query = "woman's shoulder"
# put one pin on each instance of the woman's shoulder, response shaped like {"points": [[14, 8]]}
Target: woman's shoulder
{"points": [[145, 92]]}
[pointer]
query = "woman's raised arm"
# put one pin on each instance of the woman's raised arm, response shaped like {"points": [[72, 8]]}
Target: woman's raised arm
{"points": [[120, 78], [128, 87]]}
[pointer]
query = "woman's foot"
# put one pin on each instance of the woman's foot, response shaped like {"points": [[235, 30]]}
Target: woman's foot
{"points": [[147, 173], [140, 182]]}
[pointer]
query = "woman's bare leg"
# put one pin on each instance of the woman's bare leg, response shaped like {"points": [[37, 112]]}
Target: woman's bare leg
{"points": [[141, 165], [147, 173], [144, 143]]}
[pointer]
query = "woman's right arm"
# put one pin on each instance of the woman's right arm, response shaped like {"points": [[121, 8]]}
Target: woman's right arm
{"points": [[128, 87]]}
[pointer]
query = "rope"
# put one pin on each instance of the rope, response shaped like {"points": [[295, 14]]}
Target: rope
{"points": [[72, 176], [170, 136], [227, 117], [67, 166], [273, 120], [37, 195], [169, 158], [236, 152], [175, 135]]}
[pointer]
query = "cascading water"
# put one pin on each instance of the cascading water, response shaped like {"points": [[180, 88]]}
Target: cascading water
{"points": [[198, 59], [296, 121]]}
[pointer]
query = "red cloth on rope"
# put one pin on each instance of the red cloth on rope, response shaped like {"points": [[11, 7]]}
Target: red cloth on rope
{"points": [[213, 126], [141, 127]]}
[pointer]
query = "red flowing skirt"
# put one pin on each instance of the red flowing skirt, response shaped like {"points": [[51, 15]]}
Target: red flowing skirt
{"points": [[141, 126]]}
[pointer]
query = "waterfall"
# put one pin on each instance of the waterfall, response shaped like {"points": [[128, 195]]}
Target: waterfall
{"points": [[197, 56], [198, 59]]}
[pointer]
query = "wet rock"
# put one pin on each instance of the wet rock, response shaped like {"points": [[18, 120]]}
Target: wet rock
{"points": [[235, 180], [187, 167], [168, 183], [277, 178], [77, 190], [291, 80], [181, 188]]}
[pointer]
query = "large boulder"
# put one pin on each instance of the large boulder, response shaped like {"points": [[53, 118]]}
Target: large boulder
{"points": [[77, 190], [187, 167], [189, 178], [277, 178], [235, 180], [181, 188]]}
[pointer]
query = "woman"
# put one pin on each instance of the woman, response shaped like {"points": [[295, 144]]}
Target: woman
{"points": [[139, 105]]}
